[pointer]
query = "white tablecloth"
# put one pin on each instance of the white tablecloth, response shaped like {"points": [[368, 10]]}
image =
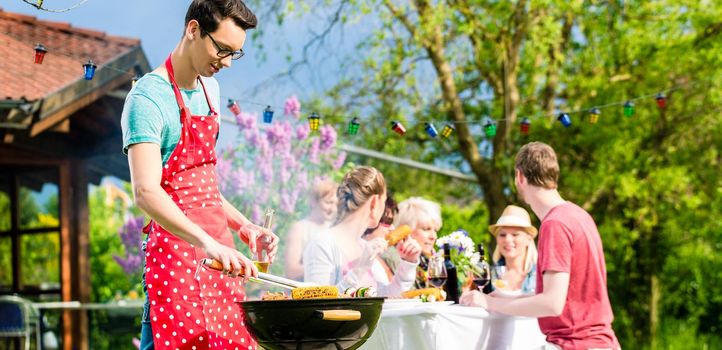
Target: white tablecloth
{"points": [[442, 326]]}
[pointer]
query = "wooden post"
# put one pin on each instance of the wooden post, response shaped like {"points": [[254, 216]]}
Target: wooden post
{"points": [[75, 259]]}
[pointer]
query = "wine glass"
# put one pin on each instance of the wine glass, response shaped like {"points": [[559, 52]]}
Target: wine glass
{"points": [[498, 272], [437, 271], [481, 274]]}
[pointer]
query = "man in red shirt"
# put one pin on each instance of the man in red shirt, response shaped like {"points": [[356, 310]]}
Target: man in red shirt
{"points": [[571, 301]]}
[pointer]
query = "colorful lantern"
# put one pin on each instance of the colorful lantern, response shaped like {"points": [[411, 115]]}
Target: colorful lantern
{"points": [[268, 115], [594, 115], [490, 128], [431, 130], [565, 119], [314, 121], [628, 109], [524, 126], [40, 52], [353, 126], [234, 107], [447, 131], [89, 69], [661, 100], [398, 128]]}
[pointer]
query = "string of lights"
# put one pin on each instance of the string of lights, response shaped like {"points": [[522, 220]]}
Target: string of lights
{"points": [[38, 4], [489, 124]]}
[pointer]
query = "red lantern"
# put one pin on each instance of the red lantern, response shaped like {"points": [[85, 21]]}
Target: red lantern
{"points": [[661, 100], [524, 126], [233, 106], [398, 128], [40, 51]]}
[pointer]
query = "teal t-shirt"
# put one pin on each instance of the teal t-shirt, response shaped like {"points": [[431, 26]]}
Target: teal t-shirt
{"points": [[151, 113]]}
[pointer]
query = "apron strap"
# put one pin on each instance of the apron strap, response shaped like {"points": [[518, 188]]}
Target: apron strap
{"points": [[208, 100], [176, 90]]}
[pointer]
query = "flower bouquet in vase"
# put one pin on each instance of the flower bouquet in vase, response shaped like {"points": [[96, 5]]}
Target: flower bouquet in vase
{"points": [[463, 255]]}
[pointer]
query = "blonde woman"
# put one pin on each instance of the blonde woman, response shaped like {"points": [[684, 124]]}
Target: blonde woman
{"points": [[341, 257], [323, 205], [515, 253], [424, 218]]}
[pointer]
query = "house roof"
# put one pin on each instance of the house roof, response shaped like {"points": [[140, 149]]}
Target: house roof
{"points": [[49, 109], [68, 48]]}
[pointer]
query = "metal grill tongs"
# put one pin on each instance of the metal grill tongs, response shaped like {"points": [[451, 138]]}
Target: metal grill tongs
{"points": [[262, 277]]}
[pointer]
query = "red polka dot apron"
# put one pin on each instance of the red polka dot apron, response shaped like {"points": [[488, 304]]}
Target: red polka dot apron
{"points": [[187, 313]]}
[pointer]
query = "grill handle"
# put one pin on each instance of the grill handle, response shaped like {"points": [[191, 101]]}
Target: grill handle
{"points": [[339, 315]]}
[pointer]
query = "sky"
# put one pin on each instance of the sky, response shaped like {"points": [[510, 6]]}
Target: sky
{"points": [[159, 24]]}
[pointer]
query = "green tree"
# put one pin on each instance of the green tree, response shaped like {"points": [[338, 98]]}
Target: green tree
{"points": [[650, 180]]}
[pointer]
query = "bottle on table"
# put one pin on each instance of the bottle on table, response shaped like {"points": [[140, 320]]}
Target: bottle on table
{"points": [[452, 280]]}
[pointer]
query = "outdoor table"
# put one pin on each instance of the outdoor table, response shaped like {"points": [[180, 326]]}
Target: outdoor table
{"points": [[410, 325]]}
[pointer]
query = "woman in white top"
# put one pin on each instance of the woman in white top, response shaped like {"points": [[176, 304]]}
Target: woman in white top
{"points": [[341, 257], [323, 213]]}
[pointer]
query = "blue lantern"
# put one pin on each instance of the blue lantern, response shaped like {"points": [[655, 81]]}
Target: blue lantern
{"points": [[268, 115], [431, 130], [565, 119], [89, 69]]}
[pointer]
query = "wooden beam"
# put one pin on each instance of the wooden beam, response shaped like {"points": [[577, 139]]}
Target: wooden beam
{"points": [[115, 73], [63, 127], [57, 116]]}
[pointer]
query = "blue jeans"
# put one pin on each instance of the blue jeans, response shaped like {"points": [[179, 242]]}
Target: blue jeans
{"points": [[146, 333]]}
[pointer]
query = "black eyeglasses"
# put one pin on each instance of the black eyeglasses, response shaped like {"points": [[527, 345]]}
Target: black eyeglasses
{"points": [[223, 53]]}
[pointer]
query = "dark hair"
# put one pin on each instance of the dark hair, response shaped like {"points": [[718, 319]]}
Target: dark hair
{"points": [[209, 13], [390, 211]]}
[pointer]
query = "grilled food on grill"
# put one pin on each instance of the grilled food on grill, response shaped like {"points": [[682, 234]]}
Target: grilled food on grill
{"points": [[275, 296], [362, 292], [320, 292]]}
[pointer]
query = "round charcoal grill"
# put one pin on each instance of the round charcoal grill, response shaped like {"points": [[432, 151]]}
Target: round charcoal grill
{"points": [[334, 324]]}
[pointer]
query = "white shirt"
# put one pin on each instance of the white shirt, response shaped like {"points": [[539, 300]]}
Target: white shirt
{"points": [[324, 264]]}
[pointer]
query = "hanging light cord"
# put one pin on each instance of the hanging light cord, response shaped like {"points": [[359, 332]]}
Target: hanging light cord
{"points": [[39, 5]]}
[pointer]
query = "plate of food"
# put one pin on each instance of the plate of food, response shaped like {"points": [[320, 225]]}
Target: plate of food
{"points": [[425, 294]]}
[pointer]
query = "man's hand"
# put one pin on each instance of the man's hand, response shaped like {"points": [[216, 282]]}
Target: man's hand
{"points": [[474, 298], [260, 240], [234, 262], [409, 250]]}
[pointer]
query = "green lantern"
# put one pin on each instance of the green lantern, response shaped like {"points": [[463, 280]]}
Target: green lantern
{"points": [[490, 128], [628, 109], [353, 126]]}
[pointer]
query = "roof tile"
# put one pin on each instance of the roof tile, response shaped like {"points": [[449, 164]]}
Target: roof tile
{"points": [[68, 48]]}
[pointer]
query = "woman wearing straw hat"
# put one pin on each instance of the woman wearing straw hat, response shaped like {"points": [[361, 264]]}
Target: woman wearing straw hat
{"points": [[515, 253]]}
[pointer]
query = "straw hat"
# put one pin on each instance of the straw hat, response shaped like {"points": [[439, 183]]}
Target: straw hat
{"points": [[514, 216]]}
